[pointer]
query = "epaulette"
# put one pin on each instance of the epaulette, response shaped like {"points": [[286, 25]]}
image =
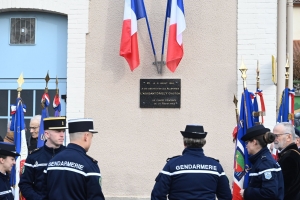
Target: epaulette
{"points": [[168, 159], [34, 150], [95, 161], [214, 159]]}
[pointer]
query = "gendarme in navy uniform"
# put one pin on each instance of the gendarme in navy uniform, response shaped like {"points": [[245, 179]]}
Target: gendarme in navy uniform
{"points": [[73, 174], [265, 176], [192, 175], [7, 160], [31, 181]]}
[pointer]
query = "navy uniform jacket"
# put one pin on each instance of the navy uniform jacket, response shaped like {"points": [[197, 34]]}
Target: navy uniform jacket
{"points": [[5, 189], [73, 175], [192, 176], [31, 181], [265, 178]]}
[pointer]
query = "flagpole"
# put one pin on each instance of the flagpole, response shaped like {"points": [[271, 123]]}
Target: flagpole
{"points": [[235, 101], [164, 37], [287, 67], [244, 69], [151, 40]]}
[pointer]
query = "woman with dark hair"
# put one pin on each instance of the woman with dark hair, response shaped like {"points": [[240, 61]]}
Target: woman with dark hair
{"points": [[265, 176]]}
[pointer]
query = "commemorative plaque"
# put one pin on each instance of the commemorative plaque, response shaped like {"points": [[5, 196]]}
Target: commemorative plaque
{"points": [[160, 93]]}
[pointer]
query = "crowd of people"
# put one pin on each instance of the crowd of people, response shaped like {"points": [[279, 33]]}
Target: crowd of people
{"points": [[58, 172]]}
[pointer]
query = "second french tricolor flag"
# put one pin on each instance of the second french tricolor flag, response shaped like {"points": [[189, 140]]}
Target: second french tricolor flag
{"points": [[133, 11], [177, 26]]}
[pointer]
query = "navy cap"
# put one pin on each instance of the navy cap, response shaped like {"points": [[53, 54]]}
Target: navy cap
{"points": [[8, 149], [255, 131], [297, 132], [194, 131], [81, 125], [55, 123]]}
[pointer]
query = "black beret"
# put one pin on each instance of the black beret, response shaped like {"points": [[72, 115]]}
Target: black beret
{"points": [[255, 131], [194, 131]]}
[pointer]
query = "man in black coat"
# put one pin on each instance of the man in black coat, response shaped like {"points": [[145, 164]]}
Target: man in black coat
{"points": [[289, 159]]}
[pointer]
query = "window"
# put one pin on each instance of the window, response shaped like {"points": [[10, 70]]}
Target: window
{"points": [[22, 31]]}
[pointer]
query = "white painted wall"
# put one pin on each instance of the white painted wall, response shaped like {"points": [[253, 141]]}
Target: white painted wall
{"points": [[296, 25]]}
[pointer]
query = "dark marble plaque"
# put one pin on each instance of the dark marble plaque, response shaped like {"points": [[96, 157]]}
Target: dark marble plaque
{"points": [[160, 93]]}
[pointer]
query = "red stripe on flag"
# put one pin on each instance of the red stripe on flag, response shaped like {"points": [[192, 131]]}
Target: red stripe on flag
{"points": [[175, 51], [129, 46], [236, 192]]}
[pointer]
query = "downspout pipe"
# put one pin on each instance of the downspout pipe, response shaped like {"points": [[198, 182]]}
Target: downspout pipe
{"points": [[281, 48], [290, 38]]}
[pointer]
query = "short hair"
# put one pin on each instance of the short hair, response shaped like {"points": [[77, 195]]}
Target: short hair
{"points": [[3, 156], [36, 118], [288, 128], [76, 136], [194, 142]]}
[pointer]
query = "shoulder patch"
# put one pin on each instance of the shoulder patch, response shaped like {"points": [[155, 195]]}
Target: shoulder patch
{"points": [[95, 161], [268, 175], [168, 159], [214, 159], [34, 150]]}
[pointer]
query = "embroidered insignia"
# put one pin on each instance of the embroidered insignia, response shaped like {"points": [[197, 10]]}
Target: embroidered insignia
{"points": [[268, 175], [100, 181]]}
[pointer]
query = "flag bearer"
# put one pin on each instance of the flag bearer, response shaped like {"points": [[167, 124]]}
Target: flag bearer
{"points": [[31, 182], [7, 160], [192, 175], [265, 176]]}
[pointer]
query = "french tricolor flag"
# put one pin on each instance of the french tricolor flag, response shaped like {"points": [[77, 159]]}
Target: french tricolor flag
{"points": [[177, 25], [133, 11]]}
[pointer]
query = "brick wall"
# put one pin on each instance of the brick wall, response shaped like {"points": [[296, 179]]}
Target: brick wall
{"points": [[257, 40]]}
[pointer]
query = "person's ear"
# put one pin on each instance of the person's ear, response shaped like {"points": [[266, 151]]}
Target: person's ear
{"points": [[1, 160], [85, 137]]}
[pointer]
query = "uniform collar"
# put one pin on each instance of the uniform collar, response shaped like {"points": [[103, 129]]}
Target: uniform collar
{"points": [[51, 150], [290, 146], [258, 155], [4, 176], [195, 151], [76, 147]]}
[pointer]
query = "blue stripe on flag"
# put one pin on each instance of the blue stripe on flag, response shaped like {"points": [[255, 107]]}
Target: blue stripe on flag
{"points": [[138, 8]]}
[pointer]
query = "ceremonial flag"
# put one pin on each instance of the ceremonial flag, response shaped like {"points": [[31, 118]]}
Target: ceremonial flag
{"points": [[241, 162], [18, 126], [56, 105], [45, 103], [255, 110], [286, 109], [133, 11], [175, 11]]}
